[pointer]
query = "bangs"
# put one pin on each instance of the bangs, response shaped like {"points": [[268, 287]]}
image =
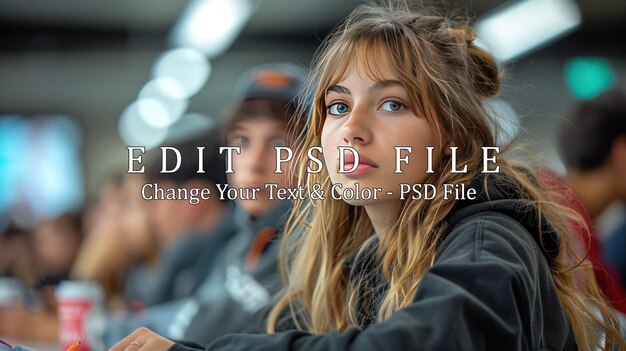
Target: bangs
{"points": [[375, 55], [380, 52], [371, 57]]}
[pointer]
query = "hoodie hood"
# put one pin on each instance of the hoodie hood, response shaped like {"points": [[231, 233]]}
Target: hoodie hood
{"points": [[502, 197], [498, 196]]}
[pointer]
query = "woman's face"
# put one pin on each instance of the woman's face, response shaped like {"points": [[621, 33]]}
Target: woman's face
{"points": [[373, 117]]}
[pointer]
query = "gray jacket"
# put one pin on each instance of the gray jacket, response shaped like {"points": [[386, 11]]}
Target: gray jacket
{"points": [[238, 286]]}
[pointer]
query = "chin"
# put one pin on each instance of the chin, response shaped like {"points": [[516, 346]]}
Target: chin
{"points": [[382, 200], [257, 208], [362, 202]]}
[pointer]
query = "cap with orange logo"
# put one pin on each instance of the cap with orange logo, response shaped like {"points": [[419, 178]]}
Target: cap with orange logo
{"points": [[276, 81]]}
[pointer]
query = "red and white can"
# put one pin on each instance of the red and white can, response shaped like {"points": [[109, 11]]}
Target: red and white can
{"points": [[77, 301]]}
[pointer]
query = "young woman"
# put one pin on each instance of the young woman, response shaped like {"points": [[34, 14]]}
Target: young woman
{"points": [[495, 272]]}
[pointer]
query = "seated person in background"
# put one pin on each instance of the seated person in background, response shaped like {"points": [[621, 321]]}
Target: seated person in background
{"points": [[102, 256], [17, 258], [184, 229], [244, 275], [592, 145], [120, 243], [140, 243], [56, 242], [55, 245]]}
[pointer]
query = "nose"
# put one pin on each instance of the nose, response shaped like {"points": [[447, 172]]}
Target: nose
{"points": [[257, 159], [357, 129]]}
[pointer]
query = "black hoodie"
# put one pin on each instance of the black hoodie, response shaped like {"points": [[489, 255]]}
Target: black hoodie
{"points": [[490, 288]]}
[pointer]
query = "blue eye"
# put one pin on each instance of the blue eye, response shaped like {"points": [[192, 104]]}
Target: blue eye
{"points": [[338, 108], [392, 106]]}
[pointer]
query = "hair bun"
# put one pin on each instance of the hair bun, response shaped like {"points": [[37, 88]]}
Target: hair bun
{"points": [[486, 77], [486, 74]]}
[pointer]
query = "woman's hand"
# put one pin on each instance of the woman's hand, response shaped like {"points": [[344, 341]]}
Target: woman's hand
{"points": [[143, 339]]}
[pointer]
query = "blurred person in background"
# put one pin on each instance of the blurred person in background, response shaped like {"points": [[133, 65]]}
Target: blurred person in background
{"points": [[121, 250], [140, 243], [102, 256], [155, 244], [55, 245], [236, 296], [244, 274], [17, 258], [118, 248], [184, 227], [592, 145]]}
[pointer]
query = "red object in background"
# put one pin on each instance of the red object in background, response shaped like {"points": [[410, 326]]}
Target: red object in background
{"points": [[605, 273], [137, 306], [72, 315], [260, 242], [76, 300]]}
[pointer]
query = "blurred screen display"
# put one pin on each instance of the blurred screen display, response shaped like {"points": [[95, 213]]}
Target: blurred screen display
{"points": [[40, 169]]}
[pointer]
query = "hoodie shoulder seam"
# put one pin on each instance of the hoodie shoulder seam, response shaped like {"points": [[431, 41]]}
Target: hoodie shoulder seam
{"points": [[478, 223], [479, 240]]}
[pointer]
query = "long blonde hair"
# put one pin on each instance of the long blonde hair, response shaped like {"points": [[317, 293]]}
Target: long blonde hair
{"points": [[447, 78]]}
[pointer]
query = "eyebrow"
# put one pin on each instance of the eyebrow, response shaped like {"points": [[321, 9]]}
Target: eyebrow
{"points": [[376, 86], [338, 89], [385, 84]]}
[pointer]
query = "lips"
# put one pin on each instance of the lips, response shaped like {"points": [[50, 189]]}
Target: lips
{"points": [[366, 164], [348, 160]]}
